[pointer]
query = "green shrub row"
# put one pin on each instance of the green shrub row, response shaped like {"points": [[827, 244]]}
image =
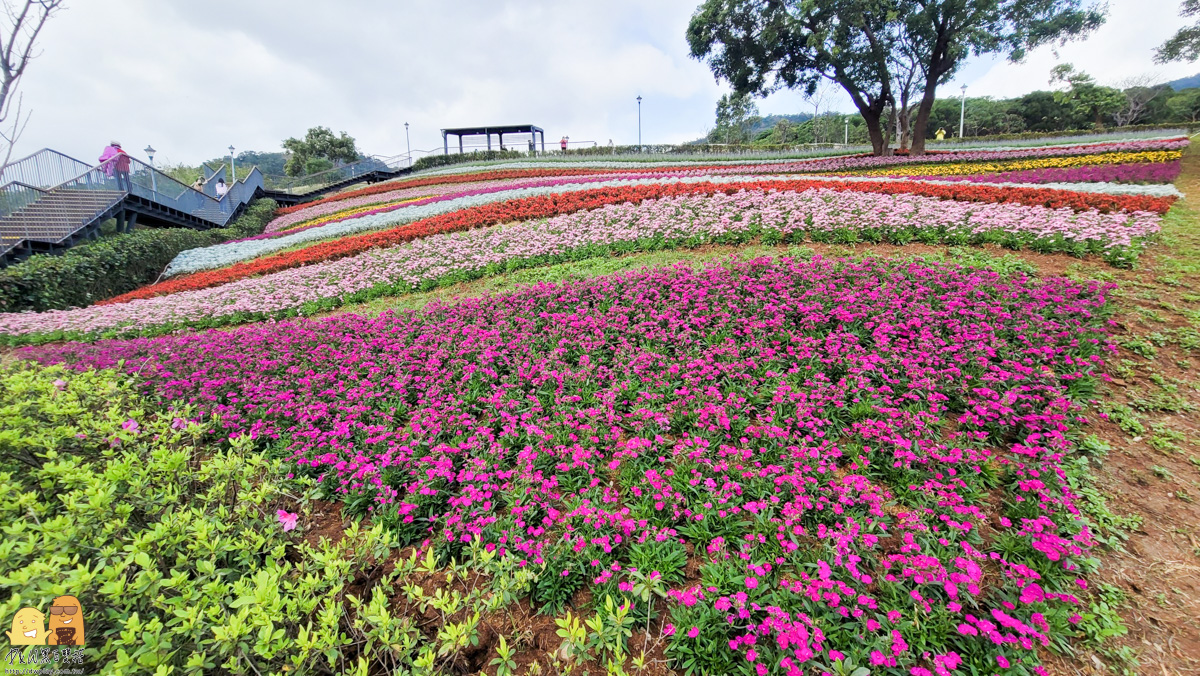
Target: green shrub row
{"points": [[171, 542], [113, 265], [432, 161]]}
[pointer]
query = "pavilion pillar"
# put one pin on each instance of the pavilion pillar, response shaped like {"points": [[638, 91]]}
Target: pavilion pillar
{"points": [[501, 135], [489, 138], [460, 150], [543, 134], [445, 145]]}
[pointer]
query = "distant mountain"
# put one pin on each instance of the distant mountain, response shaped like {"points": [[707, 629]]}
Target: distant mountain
{"points": [[1185, 82]]}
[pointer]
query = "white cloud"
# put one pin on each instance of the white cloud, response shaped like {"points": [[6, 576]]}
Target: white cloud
{"points": [[1123, 47]]}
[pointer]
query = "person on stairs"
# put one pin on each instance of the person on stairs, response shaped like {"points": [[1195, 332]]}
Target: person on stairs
{"points": [[221, 188], [116, 163]]}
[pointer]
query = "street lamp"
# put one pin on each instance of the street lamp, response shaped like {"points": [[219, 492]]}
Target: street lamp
{"points": [[150, 154], [639, 123], [232, 167], [408, 144], [962, 111], [846, 140]]}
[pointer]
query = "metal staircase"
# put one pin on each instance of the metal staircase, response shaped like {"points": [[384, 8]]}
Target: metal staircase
{"points": [[372, 169], [51, 201]]}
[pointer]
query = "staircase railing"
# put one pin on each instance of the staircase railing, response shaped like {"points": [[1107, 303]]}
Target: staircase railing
{"points": [[151, 184], [306, 184], [44, 169], [15, 196]]}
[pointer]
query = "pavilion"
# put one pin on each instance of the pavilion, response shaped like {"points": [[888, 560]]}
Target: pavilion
{"points": [[500, 131]]}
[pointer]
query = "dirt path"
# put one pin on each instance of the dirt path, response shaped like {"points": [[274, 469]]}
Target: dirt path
{"points": [[1153, 469]]}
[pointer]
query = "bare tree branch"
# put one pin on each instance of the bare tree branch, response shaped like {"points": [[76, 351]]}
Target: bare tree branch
{"points": [[18, 38], [1139, 91]]}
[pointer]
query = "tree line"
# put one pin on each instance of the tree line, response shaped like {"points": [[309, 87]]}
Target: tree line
{"points": [[1076, 102]]}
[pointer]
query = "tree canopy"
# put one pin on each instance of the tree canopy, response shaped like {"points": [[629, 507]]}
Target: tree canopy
{"points": [[736, 113], [1087, 100], [760, 46], [945, 32], [319, 150], [868, 46], [1185, 44]]}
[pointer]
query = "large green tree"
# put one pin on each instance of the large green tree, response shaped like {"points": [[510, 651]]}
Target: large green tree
{"points": [[760, 46], [736, 114], [1090, 102], [1184, 106], [946, 32], [319, 149]]}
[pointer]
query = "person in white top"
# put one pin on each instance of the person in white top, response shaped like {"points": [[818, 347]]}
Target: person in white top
{"points": [[221, 188]]}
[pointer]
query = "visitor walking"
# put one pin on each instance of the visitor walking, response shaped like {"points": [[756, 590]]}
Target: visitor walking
{"points": [[221, 188], [116, 163]]}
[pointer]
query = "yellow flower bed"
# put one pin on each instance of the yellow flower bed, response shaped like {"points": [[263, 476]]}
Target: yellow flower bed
{"points": [[963, 168], [337, 215]]}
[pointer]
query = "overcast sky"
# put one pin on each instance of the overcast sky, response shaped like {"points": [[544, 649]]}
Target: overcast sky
{"points": [[192, 78]]}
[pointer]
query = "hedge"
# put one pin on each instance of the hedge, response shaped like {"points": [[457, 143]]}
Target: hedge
{"points": [[114, 265], [1066, 133], [432, 161]]}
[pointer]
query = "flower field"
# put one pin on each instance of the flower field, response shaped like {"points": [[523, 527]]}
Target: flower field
{"points": [[634, 425], [868, 450]]}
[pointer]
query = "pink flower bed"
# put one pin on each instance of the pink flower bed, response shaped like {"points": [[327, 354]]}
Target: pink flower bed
{"points": [[1142, 172], [782, 420], [820, 215]]}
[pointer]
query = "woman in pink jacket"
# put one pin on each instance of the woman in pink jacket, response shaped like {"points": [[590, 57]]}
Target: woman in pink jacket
{"points": [[116, 162]]}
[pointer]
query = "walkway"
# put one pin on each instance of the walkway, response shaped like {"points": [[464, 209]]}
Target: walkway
{"points": [[50, 201]]}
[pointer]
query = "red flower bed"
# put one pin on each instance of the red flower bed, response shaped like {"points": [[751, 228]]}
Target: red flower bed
{"points": [[550, 173], [445, 179], [545, 206]]}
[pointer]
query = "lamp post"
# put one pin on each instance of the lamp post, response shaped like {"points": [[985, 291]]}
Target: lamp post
{"points": [[846, 140], [962, 111], [150, 154], [408, 144], [232, 167], [639, 100]]}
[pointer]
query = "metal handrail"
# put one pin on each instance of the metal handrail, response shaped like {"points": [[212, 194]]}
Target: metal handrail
{"points": [[107, 187], [45, 168], [360, 167]]}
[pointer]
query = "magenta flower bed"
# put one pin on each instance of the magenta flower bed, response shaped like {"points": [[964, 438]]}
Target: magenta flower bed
{"points": [[1141, 172], [868, 457]]}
